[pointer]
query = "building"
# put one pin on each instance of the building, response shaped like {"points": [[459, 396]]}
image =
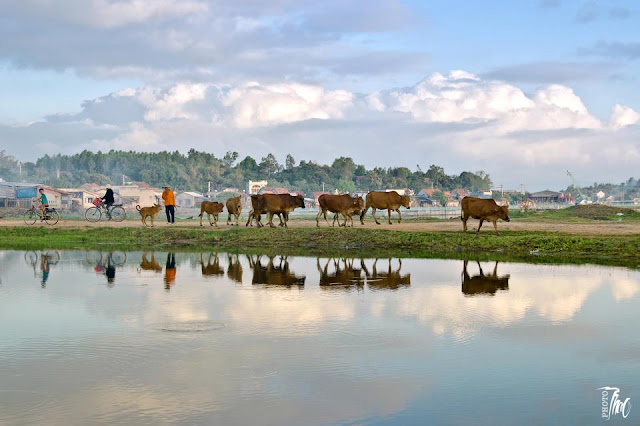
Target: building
{"points": [[273, 190], [136, 193], [254, 186], [189, 199], [546, 196], [17, 194], [81, 199], [58, 198]]}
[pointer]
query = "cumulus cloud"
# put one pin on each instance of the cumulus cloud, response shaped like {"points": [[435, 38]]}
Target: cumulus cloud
{"points": [[458, 120]]}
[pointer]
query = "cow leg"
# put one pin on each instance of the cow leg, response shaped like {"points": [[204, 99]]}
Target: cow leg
{"points": [[250, 218], [364, 212], [495, 270], [389, 215], [229, 219], [399, 215], [373, 213], [480, 268], [318, 218], [215, 220], [238, 219], [345, 219], [464, 218], [286, 219], [270, 219], [480, 225], [495, 226]]}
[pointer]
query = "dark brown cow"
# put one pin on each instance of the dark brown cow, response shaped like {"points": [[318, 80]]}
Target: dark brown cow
{"points": [[483, 284], [276, 275], [259, 205], [344, 204], [281, 204], [483, 209], [234, 207], [211, 269], [389, 280], [385, 200], [211, 208]]}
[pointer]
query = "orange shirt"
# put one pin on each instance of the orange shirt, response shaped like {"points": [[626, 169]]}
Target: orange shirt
{"points": [[168, 198], [169, 275]]}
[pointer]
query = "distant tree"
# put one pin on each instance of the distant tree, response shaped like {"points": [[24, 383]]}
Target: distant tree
{"points": [[440, 197], [290, 162], [269, 165], [229, 158]]}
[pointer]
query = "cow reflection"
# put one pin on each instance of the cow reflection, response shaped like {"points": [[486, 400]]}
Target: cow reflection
{"points": [[483, 284], [273, 274], [234, 270], [343, 277], [150, 265], [211, 268], [386, 280]]}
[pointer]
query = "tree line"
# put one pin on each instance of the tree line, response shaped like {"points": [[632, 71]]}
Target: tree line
{"points": [[193, 170]]}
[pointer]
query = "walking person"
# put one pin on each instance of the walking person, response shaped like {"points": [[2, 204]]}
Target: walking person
{"points": [[169, 203]]}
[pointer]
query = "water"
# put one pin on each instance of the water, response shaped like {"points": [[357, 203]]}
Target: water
{"points": [[158, 338]]}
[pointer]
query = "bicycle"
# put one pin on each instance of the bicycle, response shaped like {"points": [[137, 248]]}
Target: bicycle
{"points": [[115, 213], [51, 216], [117, 258]]}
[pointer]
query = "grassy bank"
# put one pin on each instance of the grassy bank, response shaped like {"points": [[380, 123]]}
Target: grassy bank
{"points": [[526, 246]]}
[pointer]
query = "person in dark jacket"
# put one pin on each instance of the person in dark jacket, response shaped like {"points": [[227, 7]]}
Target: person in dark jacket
{"points": [[108, 200]]}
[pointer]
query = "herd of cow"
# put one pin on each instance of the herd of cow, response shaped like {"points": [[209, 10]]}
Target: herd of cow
{"points": [[282, 204]]}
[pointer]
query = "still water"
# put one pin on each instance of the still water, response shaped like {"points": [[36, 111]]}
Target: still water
{"points": [[164, 338]]}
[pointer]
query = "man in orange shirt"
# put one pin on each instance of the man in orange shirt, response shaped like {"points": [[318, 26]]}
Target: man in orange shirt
{"points": [[169, 203]]}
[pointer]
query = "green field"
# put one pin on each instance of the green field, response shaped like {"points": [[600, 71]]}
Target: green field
{"points": [[528, 246]]}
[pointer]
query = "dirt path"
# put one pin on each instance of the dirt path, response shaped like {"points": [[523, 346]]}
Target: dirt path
{"points": [[428, 226]]}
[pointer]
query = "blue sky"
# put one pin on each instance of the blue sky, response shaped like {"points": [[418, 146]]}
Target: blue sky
{"points": [[522, 90]]}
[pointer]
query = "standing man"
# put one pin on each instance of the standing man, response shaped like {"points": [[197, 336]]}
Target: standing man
{"points": [[169, 203]]}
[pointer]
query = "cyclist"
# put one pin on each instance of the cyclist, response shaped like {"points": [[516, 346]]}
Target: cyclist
{"points": [[44, 203], [108, 200]]}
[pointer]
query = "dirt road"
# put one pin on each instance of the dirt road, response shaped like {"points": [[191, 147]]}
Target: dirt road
{"points": [[595, 228]]}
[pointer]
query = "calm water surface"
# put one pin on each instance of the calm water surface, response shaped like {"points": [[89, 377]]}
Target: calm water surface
{"points": [[161, 338]]}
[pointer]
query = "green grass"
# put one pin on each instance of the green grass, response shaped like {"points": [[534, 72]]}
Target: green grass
{"points": [[545, 247], [580, 214]]}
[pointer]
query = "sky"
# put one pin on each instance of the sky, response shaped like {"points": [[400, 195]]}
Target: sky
{"points": [[523, 90]]}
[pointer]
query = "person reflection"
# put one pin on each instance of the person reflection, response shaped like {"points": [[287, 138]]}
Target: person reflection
{"points": [[234, 270], [170, 271], [483, 284], [110, 272], [272, 274], [343, 277], [389, 280], [150, 265], [211, 269], [44, 268]]}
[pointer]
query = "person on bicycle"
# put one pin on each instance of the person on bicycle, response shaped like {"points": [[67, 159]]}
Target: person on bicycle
{"points": [[44, 203], [108, 200]]}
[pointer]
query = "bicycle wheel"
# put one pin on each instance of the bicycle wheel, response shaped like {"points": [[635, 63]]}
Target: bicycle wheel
{"points": [[53, 257], [118, 258], [93, 214], [52, 217], [30, 217], [31, 257], [93, 257], [118, 214]]}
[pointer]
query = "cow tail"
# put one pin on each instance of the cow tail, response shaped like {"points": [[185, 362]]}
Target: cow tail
{"points": [[138, 207]]}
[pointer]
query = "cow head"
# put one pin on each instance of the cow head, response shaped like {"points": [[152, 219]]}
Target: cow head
{"points": [[238, 200], [405, 201], [299, 201], [359, 203], [503, 213]]}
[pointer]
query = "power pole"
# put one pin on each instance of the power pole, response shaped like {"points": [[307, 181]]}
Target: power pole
{"points": [[208, 187]]}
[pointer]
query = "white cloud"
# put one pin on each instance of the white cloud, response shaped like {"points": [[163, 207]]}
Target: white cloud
{"points": [[168, 105], [622, 116]]}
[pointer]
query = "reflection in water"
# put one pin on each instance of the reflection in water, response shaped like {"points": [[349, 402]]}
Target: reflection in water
{"points": [[343, 277], [483, 284], [150, 265], [273, 274], [47, 260], [212, 268], [170, 271], [386, 280], [234, 270]]}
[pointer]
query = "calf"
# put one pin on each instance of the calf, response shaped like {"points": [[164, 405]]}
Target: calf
{"points": [[234, 207], [211, 208], [342, 204]]}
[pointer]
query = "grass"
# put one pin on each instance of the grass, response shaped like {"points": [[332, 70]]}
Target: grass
{"points": [[579, 214], [528, 246]]}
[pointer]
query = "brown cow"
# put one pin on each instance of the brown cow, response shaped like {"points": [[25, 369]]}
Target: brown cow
{"points": [[212, 208], [343, 278], [483, 284], [385, 200], [483, 209], [343, 204], [258, 204], [281, 203], [234, 207]]}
